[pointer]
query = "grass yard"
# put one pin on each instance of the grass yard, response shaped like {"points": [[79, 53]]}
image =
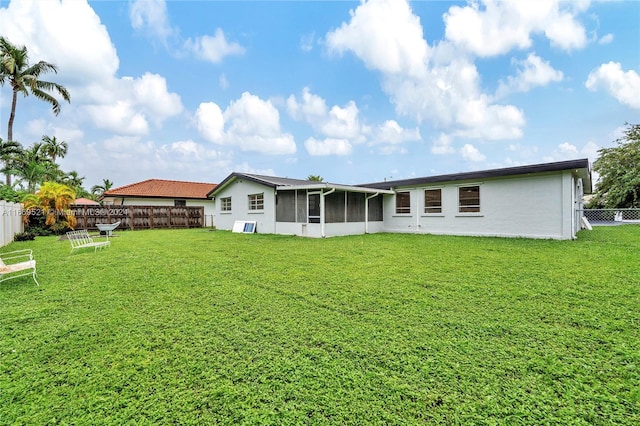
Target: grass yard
{"points": [[202, 327]]}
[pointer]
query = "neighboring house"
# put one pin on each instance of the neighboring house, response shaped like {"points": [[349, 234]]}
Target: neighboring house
{"points": [[85, 202], [535, 201], [160, 192]]}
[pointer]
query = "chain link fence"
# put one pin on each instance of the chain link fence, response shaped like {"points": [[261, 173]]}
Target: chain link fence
{"points": [[612, 217]]}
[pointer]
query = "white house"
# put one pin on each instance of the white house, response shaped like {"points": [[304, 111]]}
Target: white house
{"points": [[534, 201]]}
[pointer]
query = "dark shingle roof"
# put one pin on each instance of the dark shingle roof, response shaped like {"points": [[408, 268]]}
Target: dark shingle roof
{"points": [[582, 165], [270, 181]]}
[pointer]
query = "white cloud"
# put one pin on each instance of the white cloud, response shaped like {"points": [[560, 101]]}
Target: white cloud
{"points": [[442, 145], [606, 39], [443, 88], [386, 35], [569, 151], [307, 41], [471, 153], [328, 146], [249, 123], [150, 93], [624, 86], [130, 103], [210, 122], [213, 49], [532, 72], [312, 108], [223, 82], [68, 34], [336, 123], [392, 133], [151, 17], [489, 28]]}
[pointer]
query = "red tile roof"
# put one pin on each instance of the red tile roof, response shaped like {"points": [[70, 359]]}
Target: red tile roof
{"points": [[159, 188], [85, 202]]}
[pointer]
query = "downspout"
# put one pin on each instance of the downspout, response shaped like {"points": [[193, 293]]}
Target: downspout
{"points": [[322, 195], [366, 211]]}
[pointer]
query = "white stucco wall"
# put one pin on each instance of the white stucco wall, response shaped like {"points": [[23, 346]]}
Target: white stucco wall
{"points": [[239, 191], [540, 206]]}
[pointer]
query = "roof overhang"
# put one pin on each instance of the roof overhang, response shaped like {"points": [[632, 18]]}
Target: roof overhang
{"points": [[320, 186]]}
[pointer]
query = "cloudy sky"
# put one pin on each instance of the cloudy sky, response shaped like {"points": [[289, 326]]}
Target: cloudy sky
{"points": [[352, 91]]}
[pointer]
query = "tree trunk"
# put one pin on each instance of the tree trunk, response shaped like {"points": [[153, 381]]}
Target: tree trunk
{"points": [[12, 116]]}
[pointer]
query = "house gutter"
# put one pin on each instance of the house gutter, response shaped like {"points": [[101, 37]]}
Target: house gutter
{"points": [[322, 203], [366, 211]]}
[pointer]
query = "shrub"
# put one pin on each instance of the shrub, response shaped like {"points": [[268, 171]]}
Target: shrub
{"points": [[24, 236]]}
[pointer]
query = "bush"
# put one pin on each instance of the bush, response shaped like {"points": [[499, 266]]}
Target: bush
{"points": [[24, 236], [40, 231]]}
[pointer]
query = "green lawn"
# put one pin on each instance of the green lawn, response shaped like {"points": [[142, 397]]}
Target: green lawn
{"points": [[203, 327]]}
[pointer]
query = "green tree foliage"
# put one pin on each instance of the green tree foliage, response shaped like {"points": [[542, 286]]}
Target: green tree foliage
{"points": [[33, 166], [315, 178], [7, 193], [9, 150], [619, 170], [54, 148], [53, 200], [98, 190], [24, 78]]}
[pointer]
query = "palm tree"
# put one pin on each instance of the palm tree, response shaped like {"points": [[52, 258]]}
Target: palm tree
{"points": [[9, 150], [98, 190], [33, 167], [24, 78], [53, 200], [54, 148], [315, 178], [73, 180]]}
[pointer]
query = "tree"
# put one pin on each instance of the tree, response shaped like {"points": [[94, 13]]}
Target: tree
{"points": [[315, 178], [8, 151], [54, 148], [619, 170], [98, 190], [33, 167], [25, 78], [53, 200]]}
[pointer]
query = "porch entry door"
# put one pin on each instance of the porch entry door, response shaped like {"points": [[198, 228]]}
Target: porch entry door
{"points": [[313, 207]]}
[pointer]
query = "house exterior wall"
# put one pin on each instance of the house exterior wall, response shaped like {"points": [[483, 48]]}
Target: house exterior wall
{"points": [[239, 191], [539, 206]]}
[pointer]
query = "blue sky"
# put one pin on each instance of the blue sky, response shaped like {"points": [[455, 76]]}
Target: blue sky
{"points": [[353, 91]]}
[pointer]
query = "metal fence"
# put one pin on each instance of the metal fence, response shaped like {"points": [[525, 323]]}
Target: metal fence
{"points": [[612, 217]]}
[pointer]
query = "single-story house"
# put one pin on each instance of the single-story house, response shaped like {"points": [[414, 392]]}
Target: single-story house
{"points": [[534, 201], [85, 202], [160, 192]]}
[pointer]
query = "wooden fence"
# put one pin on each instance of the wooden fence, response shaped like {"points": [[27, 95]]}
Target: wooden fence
{"points": [[139, 217]]}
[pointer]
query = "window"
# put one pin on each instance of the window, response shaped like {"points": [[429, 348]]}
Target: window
{"points": [[433, 200], [179, 203], [225, 204], [403, 203], [469, 199], [256, 202]]}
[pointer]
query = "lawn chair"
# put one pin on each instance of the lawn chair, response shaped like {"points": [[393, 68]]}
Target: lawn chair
{"points": [[19, 263], [81, 239]]}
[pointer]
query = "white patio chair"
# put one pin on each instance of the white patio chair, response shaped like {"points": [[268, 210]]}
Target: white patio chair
{"points": [[18, 263]]}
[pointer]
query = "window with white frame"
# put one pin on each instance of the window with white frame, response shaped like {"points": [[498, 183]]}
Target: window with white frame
{"points": [[256, 202], [403, 202], [469, 199], [433, 200], [225, 204]]}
